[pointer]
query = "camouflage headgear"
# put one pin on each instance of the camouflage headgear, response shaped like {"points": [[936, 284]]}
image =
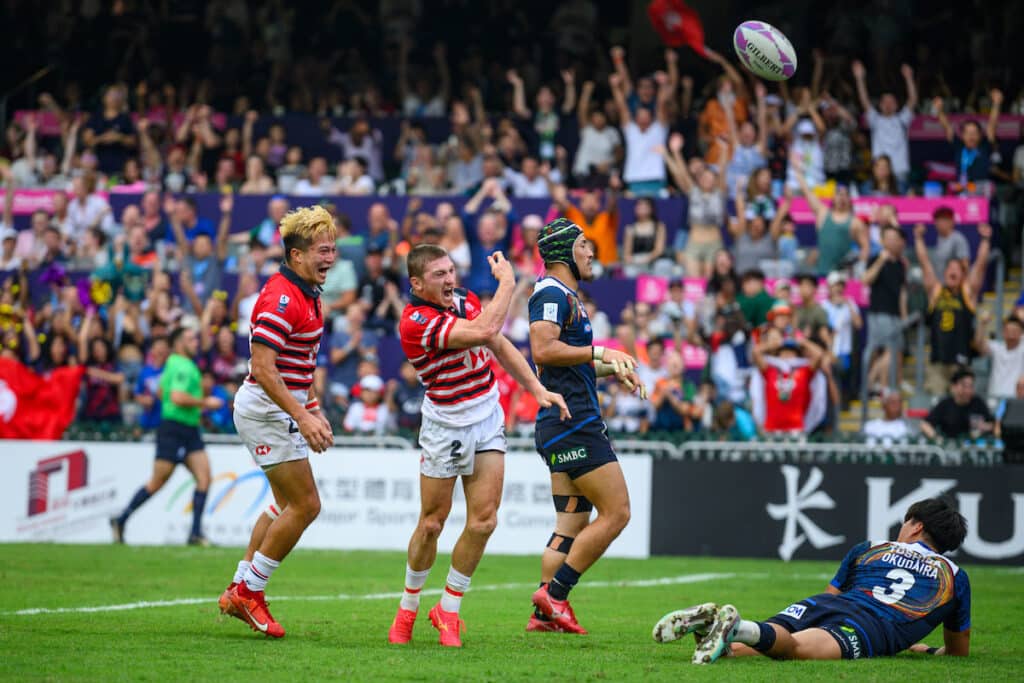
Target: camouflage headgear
{"points": [[555, 243]]}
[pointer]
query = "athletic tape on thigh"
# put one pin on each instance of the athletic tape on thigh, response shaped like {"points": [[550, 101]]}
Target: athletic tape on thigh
{"points": [[572, 504], [559, 543], [272, 511]]}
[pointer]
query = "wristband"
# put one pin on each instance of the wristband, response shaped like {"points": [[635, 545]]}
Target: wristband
{"points": [[932, 650], [597, 352], [313, 406]]}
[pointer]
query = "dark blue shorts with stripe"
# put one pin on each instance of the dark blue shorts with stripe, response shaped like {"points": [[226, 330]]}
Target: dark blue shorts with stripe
{"points": [[860, 634], [576, 447]]}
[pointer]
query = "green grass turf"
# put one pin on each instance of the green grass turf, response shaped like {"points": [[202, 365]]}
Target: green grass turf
{"points": [[345, 639]]}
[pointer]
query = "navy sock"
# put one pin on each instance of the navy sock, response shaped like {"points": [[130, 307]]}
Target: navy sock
{"points": [[198, 503], [767, 639], [565, 578], [140, 497]]}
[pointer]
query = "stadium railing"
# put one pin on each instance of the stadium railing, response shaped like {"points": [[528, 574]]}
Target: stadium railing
{"points": [[837, 448]]}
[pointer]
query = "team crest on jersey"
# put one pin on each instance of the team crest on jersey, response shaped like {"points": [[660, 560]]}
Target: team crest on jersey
{"points": [[418, 317], [282, 303]]}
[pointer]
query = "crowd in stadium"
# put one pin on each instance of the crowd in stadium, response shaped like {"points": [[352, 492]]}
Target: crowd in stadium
{"points": [[597, 136]]}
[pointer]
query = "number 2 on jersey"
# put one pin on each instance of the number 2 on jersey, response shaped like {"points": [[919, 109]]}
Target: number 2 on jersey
{"points": [[902, 581]]}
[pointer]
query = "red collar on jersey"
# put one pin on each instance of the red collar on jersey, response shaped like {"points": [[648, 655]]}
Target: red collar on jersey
{"points": [[293, 277]]}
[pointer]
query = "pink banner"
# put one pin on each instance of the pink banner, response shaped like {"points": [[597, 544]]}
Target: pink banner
{"points": [[909, 209], [654, 290], [48, 125], [1008, 126], [27, 202]]}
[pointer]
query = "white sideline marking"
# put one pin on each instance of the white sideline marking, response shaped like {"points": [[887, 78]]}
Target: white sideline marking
{"points": [[637, 583]]}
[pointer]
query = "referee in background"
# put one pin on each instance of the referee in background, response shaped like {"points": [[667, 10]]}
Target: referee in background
{"points": [[177, 438]]}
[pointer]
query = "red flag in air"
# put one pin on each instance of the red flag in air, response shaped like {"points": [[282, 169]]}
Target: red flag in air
{"points": [[677, 24], [34, 407]]}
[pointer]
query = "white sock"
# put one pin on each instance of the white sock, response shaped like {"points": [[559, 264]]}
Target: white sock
{"points": [[748, 633], [455, 586], [259, 572], [243, 566], [414, 581]]}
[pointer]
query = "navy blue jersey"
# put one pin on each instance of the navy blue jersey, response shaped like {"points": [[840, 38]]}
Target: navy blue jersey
{"points": [[906, 584], [553, 302]]}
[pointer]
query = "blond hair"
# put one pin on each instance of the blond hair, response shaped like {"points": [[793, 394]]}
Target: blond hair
{"points": [[301, 227]]}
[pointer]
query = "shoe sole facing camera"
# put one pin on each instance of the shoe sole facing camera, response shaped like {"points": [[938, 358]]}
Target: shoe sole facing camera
{"points": [[675, 625], [722, 631]]}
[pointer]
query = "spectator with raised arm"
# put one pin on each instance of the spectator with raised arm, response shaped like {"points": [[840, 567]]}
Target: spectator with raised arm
{"points": [[951, 305], [422, 100], [748, 143], [950, 243], [890, 125], [838, 227], [644, 132], [600, 144], [972, 150], [730, 95], [755, 234], [546, 120], [201, 256], [806, 155], [706, 208], [837, 141], [1007, 354]]}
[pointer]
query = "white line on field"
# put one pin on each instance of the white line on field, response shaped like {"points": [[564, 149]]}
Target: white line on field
{"points": [[636, 583]]}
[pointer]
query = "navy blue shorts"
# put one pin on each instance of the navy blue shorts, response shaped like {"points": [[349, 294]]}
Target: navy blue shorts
{"points": [[175, 440], [860, 635], [575, 449]]}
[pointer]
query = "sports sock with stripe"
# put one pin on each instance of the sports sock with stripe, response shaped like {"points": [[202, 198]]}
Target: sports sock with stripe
{"points": [[756, 634], [565, 578], [414, 581], [259, 572], [243, 567], [456, 585]]}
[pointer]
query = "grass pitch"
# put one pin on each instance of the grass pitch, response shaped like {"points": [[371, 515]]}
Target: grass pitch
{"points": [[336, 608]]}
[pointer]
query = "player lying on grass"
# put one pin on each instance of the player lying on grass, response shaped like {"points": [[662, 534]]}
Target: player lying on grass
{"points": [[885, 597]]}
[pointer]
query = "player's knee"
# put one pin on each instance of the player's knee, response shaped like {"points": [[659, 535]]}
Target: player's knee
{"points": [[431, 527], [618, 516], [308, 506], [483, 526]]}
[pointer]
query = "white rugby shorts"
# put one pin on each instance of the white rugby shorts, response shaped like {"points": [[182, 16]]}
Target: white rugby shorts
{"points": [[451, 451], [271, 442]]}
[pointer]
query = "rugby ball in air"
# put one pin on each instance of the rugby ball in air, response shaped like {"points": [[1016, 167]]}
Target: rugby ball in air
{"points": [[764, 50]]}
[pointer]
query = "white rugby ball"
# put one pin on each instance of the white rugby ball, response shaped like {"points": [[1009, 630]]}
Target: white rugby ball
{"points": [[764, 50]]}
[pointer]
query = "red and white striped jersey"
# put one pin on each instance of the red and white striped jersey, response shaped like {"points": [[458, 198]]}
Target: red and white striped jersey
{"points": [[288, 318], [461, 389]]}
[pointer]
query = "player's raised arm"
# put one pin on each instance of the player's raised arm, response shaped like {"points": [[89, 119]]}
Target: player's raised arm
{"points": [[464, 333]]}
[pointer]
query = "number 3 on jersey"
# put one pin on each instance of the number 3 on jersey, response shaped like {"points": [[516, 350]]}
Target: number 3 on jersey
{"points": [[902, 581]]}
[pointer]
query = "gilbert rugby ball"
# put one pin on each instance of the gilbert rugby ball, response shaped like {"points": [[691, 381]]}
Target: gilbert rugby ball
{"points": [[764, 50]]}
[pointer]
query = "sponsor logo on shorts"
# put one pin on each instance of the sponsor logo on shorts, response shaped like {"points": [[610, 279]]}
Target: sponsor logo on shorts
{"points": [[853, 638], [795, 610], [569, 456], [282, 303], [262, 449]]}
